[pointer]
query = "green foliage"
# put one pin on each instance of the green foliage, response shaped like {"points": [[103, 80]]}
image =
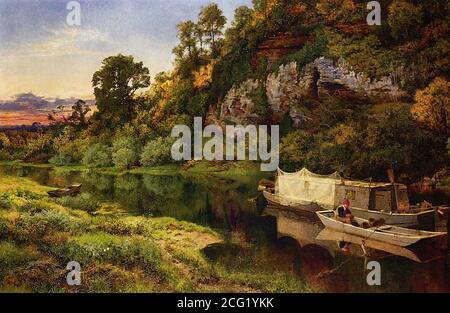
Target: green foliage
{"points": [[69, 147], [261, 106], [308, 53], [98, 155], [84, 201], [157, 152], [362, 146], [36, 227], [198, 105], [211, 20], [95, 248], [125, 152], [364, 55], [12, 255], [39, 148], [404, 18], [115, 85], [124, 158]]}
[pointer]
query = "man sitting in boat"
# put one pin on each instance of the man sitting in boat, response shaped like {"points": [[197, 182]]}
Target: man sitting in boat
{"points": [[343, 212]]}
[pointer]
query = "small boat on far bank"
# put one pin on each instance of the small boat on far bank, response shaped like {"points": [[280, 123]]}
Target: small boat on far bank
{"points": [[390, 234], [70, 191]]}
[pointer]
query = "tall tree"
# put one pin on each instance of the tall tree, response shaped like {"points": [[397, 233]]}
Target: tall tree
{"points": [[115, 85], [212, 22], [187, 36]]}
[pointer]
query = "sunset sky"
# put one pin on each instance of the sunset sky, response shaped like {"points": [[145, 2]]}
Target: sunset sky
{"points": [[44, 62]]}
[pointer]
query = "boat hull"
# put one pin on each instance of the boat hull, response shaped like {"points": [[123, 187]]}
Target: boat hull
{"points": [[394, 235], [275, 200], [421, 219]]}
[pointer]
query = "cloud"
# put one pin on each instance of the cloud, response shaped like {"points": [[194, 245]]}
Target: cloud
{"points": [[26, 108], [65, 41], [24, 102]]}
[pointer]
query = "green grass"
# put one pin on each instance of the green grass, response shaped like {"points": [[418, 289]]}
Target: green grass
{"points": [[119, 252]]}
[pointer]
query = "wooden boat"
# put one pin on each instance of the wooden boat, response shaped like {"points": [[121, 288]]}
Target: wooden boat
{"points": [[368, 200], [393, 235], [285, 203], [71, 191], [435, 250]]}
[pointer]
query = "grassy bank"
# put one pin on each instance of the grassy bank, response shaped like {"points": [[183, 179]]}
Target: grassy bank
{"points": [[223, 169], [121, 253]]}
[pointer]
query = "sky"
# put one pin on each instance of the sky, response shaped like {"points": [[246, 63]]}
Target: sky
{"points": [[44, 62]]}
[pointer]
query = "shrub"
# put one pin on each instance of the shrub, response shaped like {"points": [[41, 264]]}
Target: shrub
{"points": [[125, 152], [11, 255], [5, 156], [107, 278], [40, 276], [33, 206], [34, 227], [98, 155], [124, 158], [85, 202], [100, 247], [3, 228], [157, 152]]}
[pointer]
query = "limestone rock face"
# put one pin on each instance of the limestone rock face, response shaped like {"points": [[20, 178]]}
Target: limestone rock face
{"points": [[333, 75], [288, 88], [237, 106]]}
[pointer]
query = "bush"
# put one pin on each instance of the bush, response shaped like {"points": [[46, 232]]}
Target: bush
{"points": [[157, 152], [125, 152], [3, 229], [97, 248], [124, 158], [98, 155], [40, 276], [107, 278], [11, 255], [34, 227], [5, 156], [60, 159], [84, 202]]}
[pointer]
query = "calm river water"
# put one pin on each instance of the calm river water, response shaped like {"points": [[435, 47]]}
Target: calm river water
{"points": [[236, 208]]}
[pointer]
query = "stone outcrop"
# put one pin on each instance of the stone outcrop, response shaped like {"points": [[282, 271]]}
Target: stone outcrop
{"points": [[237, 106], [288, 88], [341, 76]]}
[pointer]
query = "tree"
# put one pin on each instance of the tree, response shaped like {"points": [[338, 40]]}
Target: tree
{"points": [[241, 23], [79, 112], [187, 53], [404, 18], [432, 106], [212, 21], [187, 36], [115, 85]]}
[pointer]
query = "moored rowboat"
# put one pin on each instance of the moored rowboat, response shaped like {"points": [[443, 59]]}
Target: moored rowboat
{"points": [[387, 233]]}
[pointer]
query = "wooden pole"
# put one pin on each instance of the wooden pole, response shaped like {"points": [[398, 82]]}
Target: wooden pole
{"points": [[391, 176]]}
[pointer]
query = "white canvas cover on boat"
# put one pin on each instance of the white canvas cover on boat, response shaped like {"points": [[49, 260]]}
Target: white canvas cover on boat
{"points": [[306, 187]]}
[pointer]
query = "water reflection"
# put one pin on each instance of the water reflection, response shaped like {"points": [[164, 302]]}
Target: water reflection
{"points": [[284, 240]]}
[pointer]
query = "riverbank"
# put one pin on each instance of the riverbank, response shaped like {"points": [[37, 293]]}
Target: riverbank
{"points": [[123, 253], [222, 169]]}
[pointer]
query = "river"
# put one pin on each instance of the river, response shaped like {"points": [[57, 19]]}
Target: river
{"points": [[234, 207]]}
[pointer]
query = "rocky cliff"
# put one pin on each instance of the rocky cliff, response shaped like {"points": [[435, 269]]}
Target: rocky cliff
{"points": [[289, 87]]}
